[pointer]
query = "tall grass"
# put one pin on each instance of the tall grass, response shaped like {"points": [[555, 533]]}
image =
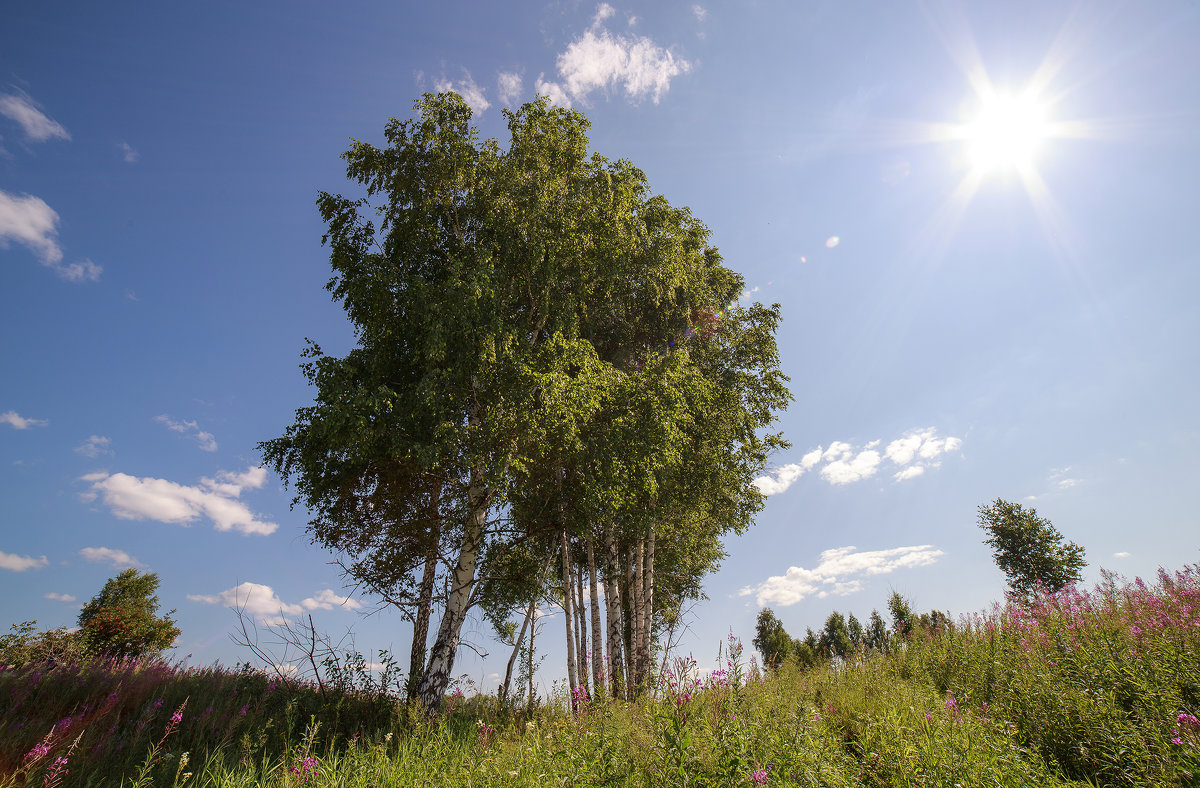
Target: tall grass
{"points": [[1094, 687]]}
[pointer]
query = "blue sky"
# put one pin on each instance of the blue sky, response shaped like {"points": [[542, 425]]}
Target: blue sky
{"points": [[960, 322]]}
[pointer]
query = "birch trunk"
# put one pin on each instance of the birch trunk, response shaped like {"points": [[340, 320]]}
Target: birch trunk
{"points": [[566, 602], [581, 633], [639, 613], [416, 661], [629, 604], [445, 648], [612, 606], [597, 639], [519, 639], [648, 598]]}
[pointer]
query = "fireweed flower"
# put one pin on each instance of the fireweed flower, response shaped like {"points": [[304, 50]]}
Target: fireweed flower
{"points": [[759, 776], [306, 768]]}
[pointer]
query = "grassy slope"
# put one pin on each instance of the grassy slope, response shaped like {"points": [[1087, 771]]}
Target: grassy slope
{"points": [[1080, 688]]}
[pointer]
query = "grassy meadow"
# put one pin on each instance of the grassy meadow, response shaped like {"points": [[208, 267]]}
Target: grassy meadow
{"points": [[1098, 687]]}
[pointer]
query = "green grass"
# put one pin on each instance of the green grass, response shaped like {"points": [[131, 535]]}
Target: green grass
{"points": [[1077, 688]]}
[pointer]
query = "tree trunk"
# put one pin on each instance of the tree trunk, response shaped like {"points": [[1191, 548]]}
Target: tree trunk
{"points": [[639, 614], [629, 605], [648, 599], [597, 639], [581, 633], [445, 647], [566, 602], [416, 660], [612, 606]]}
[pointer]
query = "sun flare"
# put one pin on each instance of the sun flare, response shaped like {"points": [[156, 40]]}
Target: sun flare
{"points": [[1007, 133]]}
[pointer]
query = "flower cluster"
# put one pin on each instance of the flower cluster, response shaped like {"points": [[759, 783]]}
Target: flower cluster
{"points": [[306, 768], [759, 776]]}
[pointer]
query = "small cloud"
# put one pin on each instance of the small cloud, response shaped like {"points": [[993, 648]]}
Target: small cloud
{"points": [[258, 601], [1121, 554], [18, 422], [508, 87], [326, 600], [838, 573], [107, 555], [82, 271], [28, 220], [128, 153], [19, 563], [205, 440], [600, 60], [37, 127], [466, 87], [911, 472], [862, 466], [133, 498], [551, 90], [60, 597], [94, 446], [699, 12], [832, 241]]}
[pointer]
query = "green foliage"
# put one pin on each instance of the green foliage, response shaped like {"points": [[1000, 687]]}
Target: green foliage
{"points": [[1028, 549], [770, 638], [834, 640], [24, 644], [876, 636], [121, 620]]}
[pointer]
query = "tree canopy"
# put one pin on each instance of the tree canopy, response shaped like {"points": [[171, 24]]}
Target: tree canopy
{"points": [[121, 620], [548, 357], [1028, 549]]}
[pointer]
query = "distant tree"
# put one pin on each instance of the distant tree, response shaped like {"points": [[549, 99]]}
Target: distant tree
{"points": [[121, 620], [876, 637], [855, 630], [1028, 549], [835, 638], [770, 638], [902, 615], [805, 653], [24, 644]]}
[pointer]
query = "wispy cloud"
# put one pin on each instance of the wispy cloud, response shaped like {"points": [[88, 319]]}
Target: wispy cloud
{"points": [[19, 563], [128, 153], [839, 572], [19, 422], [471, 93], [508, 87], [94, 446], [205, 440], [37, 127], [133, 498], [60, 597], [912, 454], [29, 221], [700, 12], [600, 60], [108, 555]]}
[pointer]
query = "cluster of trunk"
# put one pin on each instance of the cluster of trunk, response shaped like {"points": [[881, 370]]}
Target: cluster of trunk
{"points": [[608, 653]]}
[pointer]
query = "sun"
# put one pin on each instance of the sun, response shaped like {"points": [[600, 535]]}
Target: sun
{"points": [[1007, 133]]}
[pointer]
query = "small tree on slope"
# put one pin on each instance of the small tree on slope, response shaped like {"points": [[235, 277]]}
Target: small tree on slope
{"points": [[1028, 549], [120, 621]]}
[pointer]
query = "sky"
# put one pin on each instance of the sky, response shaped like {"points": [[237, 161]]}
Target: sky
{"points": [[979, 221]]}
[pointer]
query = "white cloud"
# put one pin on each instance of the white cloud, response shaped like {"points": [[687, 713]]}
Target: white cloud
{"points": [[911, 472], [600, 60], [205, 440], [838, 573], [19, 563], [18, 422], [94, 446], [552, 91], [60, 597], [466, 87], [326, 600], [33, 121], [700, 13], [108, 555], [129, 153], [30, 221], [861, 466], [131, 498], [508, 87], [262, 603], [1121, 554]]}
